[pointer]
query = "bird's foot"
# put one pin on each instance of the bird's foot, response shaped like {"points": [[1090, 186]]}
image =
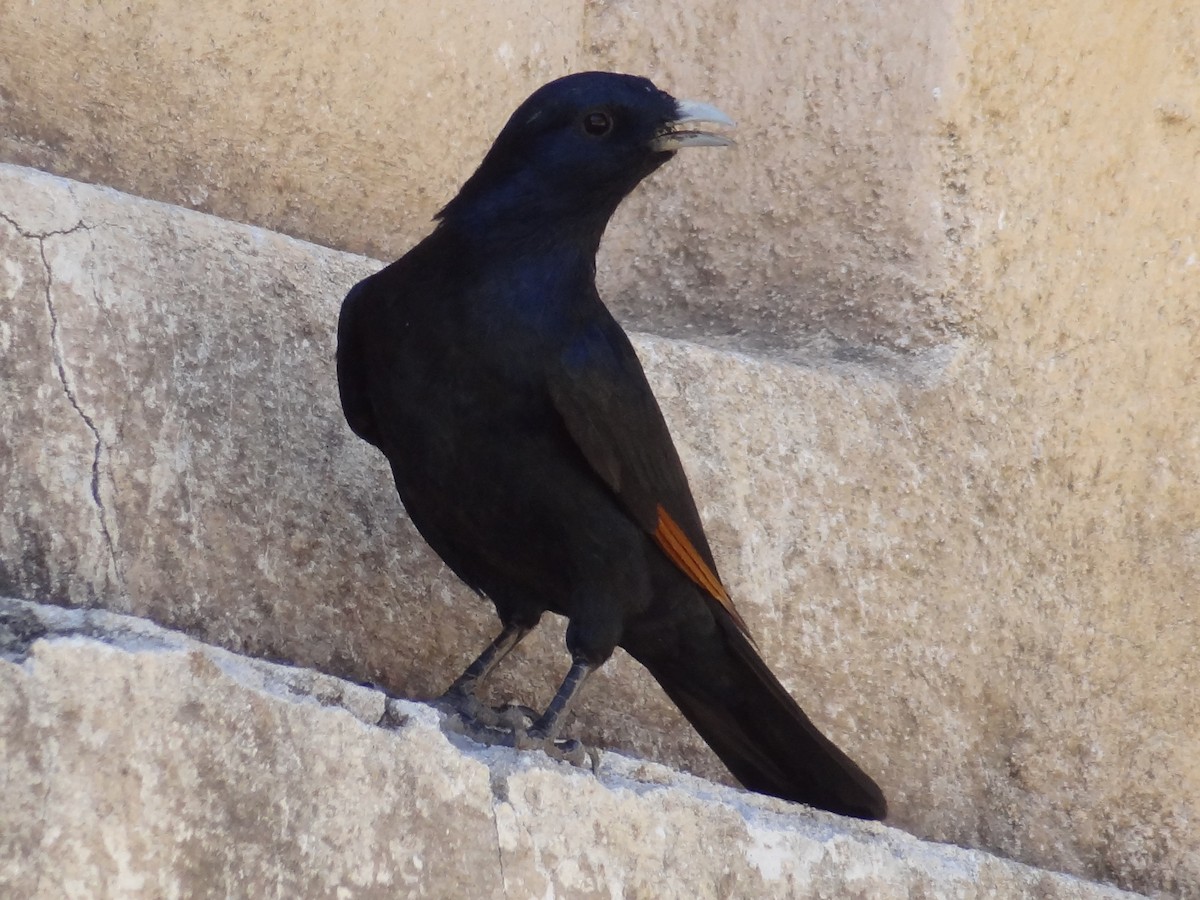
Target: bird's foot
{"points": [[569, 750], [511, 727], [512, 717], [454, 702], [473, 712]]}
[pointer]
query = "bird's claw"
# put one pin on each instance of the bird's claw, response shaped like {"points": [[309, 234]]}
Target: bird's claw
{"points": [[571, 751], [467, 707], [514, 717], [463, 704], [516, 732]]}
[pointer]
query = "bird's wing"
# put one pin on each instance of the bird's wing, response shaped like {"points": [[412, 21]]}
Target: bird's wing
{"points": [[600, 391]]}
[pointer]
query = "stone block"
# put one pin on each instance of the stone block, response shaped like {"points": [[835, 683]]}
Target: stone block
{"points": [[139, 763], [983, 595]]}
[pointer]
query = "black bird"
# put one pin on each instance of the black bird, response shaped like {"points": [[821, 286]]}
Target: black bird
{"points": [[529, 451]]}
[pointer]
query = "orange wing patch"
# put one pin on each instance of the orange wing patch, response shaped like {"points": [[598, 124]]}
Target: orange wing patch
{"points": [[680, 551]]}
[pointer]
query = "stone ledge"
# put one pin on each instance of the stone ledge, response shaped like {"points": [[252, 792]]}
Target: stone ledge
{"points": [[144, 763], [983, 592]]}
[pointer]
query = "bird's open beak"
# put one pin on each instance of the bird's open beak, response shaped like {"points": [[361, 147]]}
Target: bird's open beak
{"points": [[679, 132]]}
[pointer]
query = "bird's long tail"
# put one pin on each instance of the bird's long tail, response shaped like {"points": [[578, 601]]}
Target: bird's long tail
{"points": [[751, 722]]}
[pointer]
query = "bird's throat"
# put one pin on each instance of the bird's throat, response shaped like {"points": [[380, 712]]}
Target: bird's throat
{"points": [[528, 215]]}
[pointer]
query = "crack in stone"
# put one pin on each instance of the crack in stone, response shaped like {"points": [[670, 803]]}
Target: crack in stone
{"points": [[499, 843], [61, 368], [98, 448]]}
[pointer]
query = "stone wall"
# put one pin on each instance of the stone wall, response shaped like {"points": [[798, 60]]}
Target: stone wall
{"points": [[938, 401]]}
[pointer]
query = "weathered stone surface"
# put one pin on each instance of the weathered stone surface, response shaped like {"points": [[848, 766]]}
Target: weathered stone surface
{"points": [[138, 763], [825, 232], [967, 533], [152, 767], [983, 593], [351, 126]]}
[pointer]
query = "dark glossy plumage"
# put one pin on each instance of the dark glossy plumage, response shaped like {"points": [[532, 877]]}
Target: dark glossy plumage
{"points": [[528, 448]]}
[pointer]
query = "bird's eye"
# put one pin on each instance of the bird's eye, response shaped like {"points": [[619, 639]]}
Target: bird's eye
{"points": [[597, 124]]}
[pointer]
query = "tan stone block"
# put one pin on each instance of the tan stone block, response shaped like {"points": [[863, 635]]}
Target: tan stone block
{"points": [[156, 773], [309, 118], [824, 232], [216, 424], [1005, 640], [142, 764], [51, 467]]}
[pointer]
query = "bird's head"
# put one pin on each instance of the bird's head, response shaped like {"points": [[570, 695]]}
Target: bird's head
{"points": [[576, 148]]}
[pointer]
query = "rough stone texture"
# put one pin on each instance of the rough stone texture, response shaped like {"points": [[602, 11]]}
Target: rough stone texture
{"points": [[966, 530], [990, 608], [352, 125], [138, 763]]}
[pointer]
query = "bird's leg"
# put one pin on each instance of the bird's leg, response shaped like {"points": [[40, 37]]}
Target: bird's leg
{"points": [[460, 696], [548, 724], [541, 734]]}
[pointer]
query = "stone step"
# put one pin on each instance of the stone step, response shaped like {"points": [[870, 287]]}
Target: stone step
{"points": [[909, 538], [139, 762]]}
